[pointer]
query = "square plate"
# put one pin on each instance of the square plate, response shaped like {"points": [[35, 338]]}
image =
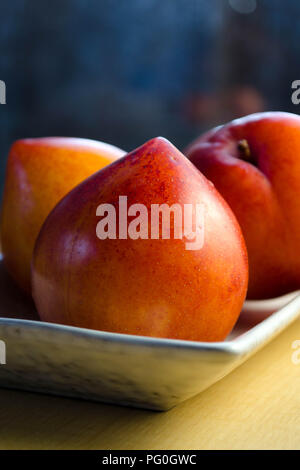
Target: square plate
{"points": [[123, 369]]}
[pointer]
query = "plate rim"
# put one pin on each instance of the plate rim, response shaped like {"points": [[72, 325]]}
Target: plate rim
{"points": [[241, 344]]}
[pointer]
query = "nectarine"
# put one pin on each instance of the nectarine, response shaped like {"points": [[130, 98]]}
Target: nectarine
{"points": [[255, 164], [39, 173], [141, 285]]}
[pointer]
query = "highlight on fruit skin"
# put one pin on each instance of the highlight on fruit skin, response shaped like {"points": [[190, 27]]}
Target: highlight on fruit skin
{"points": [[254, 163], [39, 173], [148, 287]]}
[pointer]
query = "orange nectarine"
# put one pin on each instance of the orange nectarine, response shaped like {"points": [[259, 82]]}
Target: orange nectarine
{"points": [[39, 173]]}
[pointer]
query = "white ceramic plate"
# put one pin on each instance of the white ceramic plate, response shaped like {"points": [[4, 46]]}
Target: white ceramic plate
{"points": [[124, 369]]}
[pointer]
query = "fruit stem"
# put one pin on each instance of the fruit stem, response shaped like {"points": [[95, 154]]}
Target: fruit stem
{"points": [[244, 149]]}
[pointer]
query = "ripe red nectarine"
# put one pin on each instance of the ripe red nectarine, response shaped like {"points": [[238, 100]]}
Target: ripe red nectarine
{"points": [[254, 162], [150, 287]]}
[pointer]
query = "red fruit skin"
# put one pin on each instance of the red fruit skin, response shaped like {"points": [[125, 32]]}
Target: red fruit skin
{"points": [[263, 190], [39, 173], [142, 287]]}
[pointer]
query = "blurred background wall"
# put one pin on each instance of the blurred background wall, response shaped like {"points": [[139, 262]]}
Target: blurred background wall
{"points": [[123, 71]]}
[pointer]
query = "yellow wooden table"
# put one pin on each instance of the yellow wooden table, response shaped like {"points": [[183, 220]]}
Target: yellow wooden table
{"points": [[255, 407]]}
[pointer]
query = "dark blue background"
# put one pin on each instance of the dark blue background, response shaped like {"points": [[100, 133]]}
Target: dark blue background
{"points": [[124, 71]]}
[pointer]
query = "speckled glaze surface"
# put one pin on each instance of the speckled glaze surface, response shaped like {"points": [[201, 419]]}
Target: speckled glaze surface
{"points": [[123, 369]]}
